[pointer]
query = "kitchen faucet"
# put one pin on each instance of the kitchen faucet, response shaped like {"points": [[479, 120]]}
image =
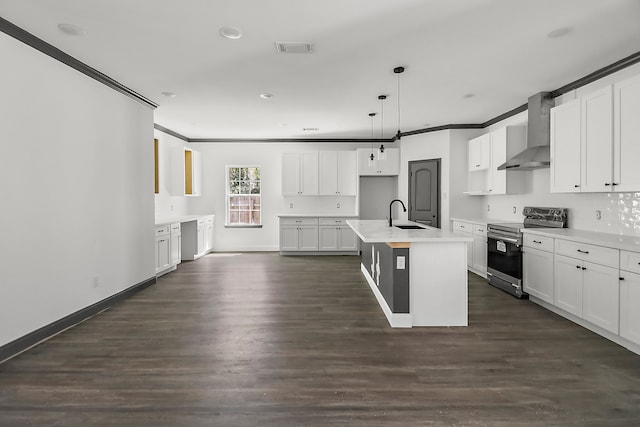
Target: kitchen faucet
{"points": [[391, 204]]}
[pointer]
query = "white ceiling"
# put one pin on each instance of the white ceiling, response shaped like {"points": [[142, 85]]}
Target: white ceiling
{"points": [[495, 49]]}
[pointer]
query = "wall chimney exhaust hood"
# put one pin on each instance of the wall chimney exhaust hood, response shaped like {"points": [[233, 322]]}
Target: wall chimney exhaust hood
{"points": [[537, 155]]}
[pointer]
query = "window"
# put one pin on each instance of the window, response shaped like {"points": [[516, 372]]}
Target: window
{"points": [[243, 196]]}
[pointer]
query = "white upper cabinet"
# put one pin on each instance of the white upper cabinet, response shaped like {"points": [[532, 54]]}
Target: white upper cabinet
{"points": [[565, 148], [597, 141], [300, 174], [594, 141], [480, 153], [388, 167], [186, 172], [489, 151], [337, 173], [626, 142]]}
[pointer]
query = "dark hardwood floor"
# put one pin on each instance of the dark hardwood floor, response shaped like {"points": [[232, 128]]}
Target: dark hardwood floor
{"points": [[263, 340]]}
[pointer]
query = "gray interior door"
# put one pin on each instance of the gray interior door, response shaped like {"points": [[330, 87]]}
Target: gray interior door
{"points": [[424, 192]]}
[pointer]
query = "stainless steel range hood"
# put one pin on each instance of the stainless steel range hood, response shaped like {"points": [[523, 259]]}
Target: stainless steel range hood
{"points": [[537, 155]]}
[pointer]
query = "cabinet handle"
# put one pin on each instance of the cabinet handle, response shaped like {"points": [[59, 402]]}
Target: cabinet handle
{"points": [[584, 268], [477, 166], [606, 184], [576, 186], [578, 267], [535, 241], [614, 183], [583, 252], [621, 278]]}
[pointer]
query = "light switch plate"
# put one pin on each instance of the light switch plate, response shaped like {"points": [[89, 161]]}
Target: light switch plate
{"points": [[400, 263]]}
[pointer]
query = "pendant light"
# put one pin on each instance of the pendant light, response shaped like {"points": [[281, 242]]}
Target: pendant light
{"points": [[381, 153], [398, 71], [372, 157]]}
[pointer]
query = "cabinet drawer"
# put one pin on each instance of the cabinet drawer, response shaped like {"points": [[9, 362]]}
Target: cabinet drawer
{"points": [[175, 228], [479, 230], [465, 227], [333, 221], [630, 261], [163, 230], [298, 221], [538, 242], [592, 253]]}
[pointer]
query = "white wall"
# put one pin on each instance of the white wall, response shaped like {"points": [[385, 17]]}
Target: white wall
{"points": [[76, 173], [620, 211], [216, 156], [450, 146]]}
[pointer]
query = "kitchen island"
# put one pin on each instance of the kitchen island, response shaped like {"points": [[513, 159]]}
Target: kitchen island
{"points": [[419, 276]]}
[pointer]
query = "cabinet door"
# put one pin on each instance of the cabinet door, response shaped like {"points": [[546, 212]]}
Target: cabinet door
{"points": [[163, 255], [289, 238], [308, 238], [480, 153], [626, 146], [480, 253], [290, 174], [328, 173], [176, 245], [201, 237], [629, 303], [568, 284], [347, 173], [565, 148], [600, 296], [597, 141], [328, 238], [365, 166], [309, 173], [347, 239], [391, 165], [537, 274]]}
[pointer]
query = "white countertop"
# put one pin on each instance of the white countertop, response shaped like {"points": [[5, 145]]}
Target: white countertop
{"points": [[179, 218], [616, 241], [480, 221], [304, 215], [378, 231]]}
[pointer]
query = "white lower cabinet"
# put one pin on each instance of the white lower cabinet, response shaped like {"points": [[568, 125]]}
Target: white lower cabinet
{"points": [[176, 244], [476, 250], [630, 306], [537, 267], [335, 235], [568, 284], [163, 248], [600, 296], [298, 234], [316, 234]]}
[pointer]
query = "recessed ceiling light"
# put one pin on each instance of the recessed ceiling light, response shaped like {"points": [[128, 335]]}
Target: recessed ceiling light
{"points": [[559, 32], [468, 95], [169, 94], [231, 33], [71, 30], [266, 95]]}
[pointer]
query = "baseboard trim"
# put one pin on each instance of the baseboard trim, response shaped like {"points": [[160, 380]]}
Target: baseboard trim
{"points": [[396, 320], [25, 342]]}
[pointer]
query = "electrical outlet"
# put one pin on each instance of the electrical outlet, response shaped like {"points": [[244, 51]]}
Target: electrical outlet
{"points": [[171, 208], [96, 281], [488, 208], [598, 214], [290, 205], [514, 209], [338, 205]]}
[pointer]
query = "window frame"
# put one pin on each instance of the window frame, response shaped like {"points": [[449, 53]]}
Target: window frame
{"points": [[228, 196]]}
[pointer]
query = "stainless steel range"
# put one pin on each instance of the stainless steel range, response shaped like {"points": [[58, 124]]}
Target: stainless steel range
{"points": [[504, 241]]}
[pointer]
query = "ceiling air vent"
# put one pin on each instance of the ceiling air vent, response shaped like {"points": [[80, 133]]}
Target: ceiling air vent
{"points": [[294, 47]]}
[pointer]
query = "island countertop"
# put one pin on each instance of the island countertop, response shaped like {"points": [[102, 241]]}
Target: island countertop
{"points": [[378, 231]]}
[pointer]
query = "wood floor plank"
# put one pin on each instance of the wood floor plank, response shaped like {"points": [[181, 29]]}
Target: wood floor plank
{"points": [[259, 339]]}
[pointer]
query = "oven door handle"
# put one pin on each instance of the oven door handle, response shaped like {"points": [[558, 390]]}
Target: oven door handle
{"points": [[506, 239]]}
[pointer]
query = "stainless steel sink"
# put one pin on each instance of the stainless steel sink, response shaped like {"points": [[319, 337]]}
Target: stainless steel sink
{"points": [[410, 227]]}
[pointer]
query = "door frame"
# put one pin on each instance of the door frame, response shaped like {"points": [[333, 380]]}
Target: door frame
{"points": [[439, 184]]}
